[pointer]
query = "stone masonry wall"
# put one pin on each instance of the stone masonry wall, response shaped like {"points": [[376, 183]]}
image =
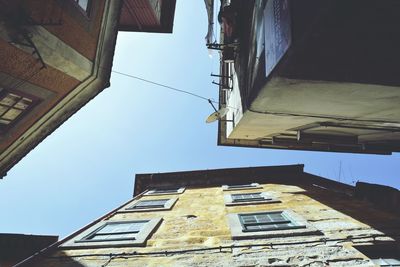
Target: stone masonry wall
{"points": [[198, 221]]}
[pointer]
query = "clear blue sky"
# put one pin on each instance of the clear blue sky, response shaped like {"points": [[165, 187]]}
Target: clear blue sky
{"points": [[87, 166]]}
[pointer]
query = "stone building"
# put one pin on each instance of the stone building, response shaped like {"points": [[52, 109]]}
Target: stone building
{"points": [[56, 55], [310, 75], [260, 216]]}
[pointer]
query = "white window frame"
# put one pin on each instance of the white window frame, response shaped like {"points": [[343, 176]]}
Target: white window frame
{"points": [[129, 207], [153, 192], [140, 239], [302, 226], [245, 187], [268, 199]]}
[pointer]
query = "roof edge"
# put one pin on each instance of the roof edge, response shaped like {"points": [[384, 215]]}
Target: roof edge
{"points": [[144, 180]]}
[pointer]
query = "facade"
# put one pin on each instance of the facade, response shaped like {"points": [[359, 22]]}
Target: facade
{"points": [[56, 56], [261, 216], [311, 75]]}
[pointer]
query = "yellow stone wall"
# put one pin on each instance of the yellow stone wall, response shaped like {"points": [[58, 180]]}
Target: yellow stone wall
{"points": [[342, 220]]}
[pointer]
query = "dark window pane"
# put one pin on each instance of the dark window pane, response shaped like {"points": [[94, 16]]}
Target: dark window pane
{"points": [[250, 196], [240, 186], [248, 218], [150, 203], [260, 227], [263, 218], [114, 236], [276, 217], [166, 190], [121, 227], [265, 221]]}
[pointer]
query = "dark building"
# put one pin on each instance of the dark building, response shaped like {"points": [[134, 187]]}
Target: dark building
{"points": [[312, 75], [16, 247]]}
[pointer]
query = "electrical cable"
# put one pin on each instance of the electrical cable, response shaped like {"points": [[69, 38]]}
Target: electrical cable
{"points": [[169, 87], [163, 85], [251, 110], [219, 248]]}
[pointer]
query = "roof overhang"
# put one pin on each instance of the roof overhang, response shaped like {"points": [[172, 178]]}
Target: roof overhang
{"points": [[145, 21]]}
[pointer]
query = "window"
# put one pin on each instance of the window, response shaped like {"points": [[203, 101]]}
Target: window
{"points": [[241, 186], [115, 234], [145, 204], [115, 231], [12, 107], [165, 191], [266, 224], [266, 221], [150, 205], [84, 5], [249, 198], [246, 197]]}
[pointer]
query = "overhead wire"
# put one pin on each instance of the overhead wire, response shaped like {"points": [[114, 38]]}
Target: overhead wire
{"points": [[222, 249], [169, 87], [163, 85]]}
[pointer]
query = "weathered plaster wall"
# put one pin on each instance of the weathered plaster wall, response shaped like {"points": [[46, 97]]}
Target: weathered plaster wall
{"points": [[316, 101], [198, 220]]}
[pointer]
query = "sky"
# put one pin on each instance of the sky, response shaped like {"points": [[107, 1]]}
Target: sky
{"points": [[86, 167]]}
